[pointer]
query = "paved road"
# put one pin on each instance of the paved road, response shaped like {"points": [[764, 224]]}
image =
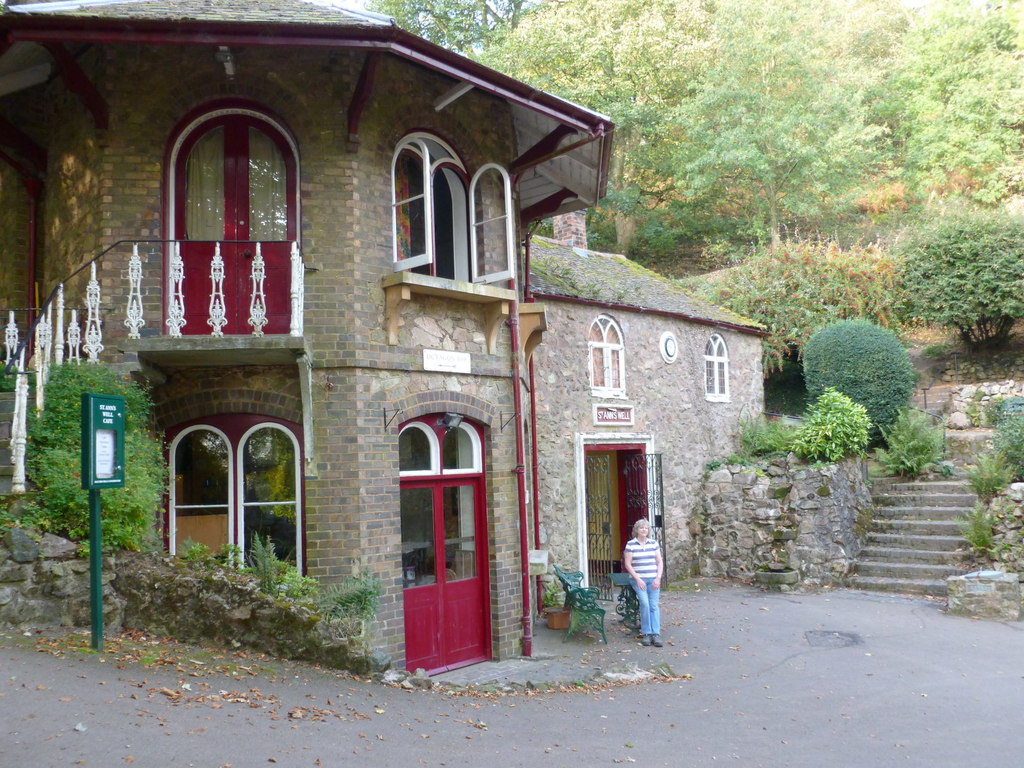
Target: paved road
{"points": [[835, 678]]}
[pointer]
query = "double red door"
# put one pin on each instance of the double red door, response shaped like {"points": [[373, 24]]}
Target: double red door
{"points": [[444, 575]]}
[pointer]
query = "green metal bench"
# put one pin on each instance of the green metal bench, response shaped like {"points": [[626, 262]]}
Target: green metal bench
{"points": [[628, 604], [584, 612]]}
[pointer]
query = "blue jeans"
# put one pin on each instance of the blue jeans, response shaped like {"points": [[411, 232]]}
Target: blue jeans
{"points": [[650, 610]]}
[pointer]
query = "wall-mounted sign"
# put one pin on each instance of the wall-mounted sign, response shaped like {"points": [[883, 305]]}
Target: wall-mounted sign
{"points": [[446, 361], [613, 415]]}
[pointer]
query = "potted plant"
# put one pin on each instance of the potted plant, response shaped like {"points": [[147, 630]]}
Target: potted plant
{"points": [[554, 611]]}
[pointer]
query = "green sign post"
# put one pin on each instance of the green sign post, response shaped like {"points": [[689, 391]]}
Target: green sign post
{"points": [[102, 467]]}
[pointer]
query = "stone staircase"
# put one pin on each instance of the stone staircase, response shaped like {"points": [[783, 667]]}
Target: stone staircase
{"points": [[915, 541]]}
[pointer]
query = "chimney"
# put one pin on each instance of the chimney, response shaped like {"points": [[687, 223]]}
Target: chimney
{"points": [[571, 228]]}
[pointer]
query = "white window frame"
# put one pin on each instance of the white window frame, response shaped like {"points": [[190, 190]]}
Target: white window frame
{"points": [[474, 439], [435, 451], [510, 230], [716, 358], [172, 486], [610, 360], [240, 486]]}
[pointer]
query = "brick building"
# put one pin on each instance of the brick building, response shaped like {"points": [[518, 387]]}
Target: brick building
{"points": [[299, 225], [638, 385]]}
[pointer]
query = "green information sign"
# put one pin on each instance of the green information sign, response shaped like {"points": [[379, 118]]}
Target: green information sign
{"points": [[102, 441]]}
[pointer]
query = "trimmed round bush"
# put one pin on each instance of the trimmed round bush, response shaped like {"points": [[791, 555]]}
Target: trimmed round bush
{"points": [[865, 362]]}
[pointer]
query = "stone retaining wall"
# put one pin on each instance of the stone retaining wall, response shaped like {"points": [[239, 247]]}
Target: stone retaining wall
{"points": [[971, 405], [44, 584], [784, 511]]}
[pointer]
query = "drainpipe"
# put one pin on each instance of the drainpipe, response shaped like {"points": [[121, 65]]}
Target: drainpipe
{"points": [[520, 470], [33, 187], [534, 460]]}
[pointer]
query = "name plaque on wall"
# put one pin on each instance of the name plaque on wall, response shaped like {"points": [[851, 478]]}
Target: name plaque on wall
{"points": [[613, 415], [446, 361]]}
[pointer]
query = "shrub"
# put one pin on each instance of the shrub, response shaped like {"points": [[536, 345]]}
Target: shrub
{"points": [[277, 577], [977, 528], [865, 362], [989, 475], [1009, 442], [962, 270], [760, 437], [356, 598], [914, 444], [60, 505], [835, 427], [800, 286]]}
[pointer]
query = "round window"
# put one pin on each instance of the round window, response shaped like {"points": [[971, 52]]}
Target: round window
{"points": [[669, 347]]}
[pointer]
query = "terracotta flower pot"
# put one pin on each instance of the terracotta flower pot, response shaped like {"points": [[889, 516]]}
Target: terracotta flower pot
{"points": [[558, 618]]}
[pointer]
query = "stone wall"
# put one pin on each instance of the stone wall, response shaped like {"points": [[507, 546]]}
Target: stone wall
{"points": [[671, 417], [786, 512], [972, 405], [45, 585]]}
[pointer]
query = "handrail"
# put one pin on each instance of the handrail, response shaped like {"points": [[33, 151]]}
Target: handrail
{"points": [[41, 310]]}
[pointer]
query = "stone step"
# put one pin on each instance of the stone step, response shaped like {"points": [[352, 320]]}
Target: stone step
{"points": [[925, 499], [924, 543], [931, 587], [920, 513], [886, 485], [908, 555], [911, 571], [923, 527]]}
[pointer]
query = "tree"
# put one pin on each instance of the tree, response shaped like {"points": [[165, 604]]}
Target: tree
{"points": [[965, 270], [959, 98], [778, 130], [461, 25], [631, 60]]}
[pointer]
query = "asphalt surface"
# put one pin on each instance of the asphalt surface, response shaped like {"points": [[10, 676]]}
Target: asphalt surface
{"points": [[832, 678]]}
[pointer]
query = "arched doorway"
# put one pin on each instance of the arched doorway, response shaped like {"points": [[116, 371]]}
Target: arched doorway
{"points": [[232, 478], [444, 544], [233, 201]]}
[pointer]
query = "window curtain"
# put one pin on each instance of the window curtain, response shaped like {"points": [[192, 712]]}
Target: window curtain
{"points": [[268, 182], [204, 173]]}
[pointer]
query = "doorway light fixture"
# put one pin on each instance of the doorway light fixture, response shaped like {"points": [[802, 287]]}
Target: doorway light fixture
{"points": [[450, 420]]}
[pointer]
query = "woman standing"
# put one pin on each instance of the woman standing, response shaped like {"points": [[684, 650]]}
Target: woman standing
{"points": [[642, 560]]}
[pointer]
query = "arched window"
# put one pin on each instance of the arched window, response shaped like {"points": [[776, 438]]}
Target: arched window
{"points": [[431, 214], [607, 363], [234, 477], [716, 369]]}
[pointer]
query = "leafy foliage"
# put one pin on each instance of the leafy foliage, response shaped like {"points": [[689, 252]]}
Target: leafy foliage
{"points": [[356, 598], [1009, 442], [978, 528], [914, 444], [964, 270], [802, 286], [278, 577], [835, 427], [760, 437], [59, 504], [957, 97], [865, 362], [456, 24], [989, 475]]}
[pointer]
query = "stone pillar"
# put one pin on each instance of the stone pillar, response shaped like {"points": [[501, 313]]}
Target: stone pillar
{"points": [[985, 595]]}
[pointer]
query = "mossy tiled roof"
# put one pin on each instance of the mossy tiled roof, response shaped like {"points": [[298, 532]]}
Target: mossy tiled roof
{"points": [[269, 11], [560, 270]]}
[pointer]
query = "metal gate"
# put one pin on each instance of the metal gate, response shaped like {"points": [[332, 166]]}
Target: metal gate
{"points": [[641, 489]]}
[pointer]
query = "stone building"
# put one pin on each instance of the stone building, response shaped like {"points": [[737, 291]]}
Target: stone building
{"points": [[299, 224], [637, 386]]}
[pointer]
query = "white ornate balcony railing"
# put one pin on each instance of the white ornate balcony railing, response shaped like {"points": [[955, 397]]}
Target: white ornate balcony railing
{"points": [[152, 285]]}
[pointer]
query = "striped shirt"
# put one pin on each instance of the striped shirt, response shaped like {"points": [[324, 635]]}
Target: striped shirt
{"points": [[644, 558]]}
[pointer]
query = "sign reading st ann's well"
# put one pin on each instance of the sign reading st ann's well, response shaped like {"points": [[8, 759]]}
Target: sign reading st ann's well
{"points": [[613, 415]]}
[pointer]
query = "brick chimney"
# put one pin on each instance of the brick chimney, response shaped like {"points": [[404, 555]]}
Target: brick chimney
{"points": [[571, 228]]}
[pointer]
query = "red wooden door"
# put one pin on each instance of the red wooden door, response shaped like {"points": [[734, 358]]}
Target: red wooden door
{"points": [[234, 189], [444, 575]]}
